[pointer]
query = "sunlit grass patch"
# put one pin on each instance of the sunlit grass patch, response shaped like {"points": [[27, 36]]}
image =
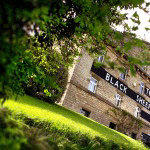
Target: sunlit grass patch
{"points": [[66, 120]]}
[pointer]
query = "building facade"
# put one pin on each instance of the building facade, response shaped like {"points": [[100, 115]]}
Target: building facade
{"points": [[93, 91]]}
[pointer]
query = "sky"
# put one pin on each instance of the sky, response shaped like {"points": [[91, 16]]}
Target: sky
{"points": [[144, 17]]}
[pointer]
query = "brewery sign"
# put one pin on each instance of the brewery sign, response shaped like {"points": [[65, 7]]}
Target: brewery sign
{"points": [[122, 87]]}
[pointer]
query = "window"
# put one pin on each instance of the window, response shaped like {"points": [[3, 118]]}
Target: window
{"points": [[118, 100], [84, 112], [112, 125], [123, 74], [144, 68], [133, 135], [92, 85], [137, 112], [141, 88], [146, 139], [101, 58]]}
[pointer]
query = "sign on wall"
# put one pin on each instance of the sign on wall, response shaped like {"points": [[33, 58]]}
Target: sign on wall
{"points": [[121, 86], [145, 115]]}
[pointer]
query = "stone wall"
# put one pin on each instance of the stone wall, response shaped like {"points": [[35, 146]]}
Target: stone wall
{"points": [[77, 95]]}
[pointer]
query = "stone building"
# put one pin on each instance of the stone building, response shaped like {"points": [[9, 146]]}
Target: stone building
{"points": [[92, 91]]}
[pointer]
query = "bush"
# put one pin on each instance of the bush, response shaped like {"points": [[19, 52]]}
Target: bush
{"points": [[11, 136], [37, 90], [36, 139]]}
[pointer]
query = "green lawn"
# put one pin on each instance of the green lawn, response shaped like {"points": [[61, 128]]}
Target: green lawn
{"points": [[67, 120]]}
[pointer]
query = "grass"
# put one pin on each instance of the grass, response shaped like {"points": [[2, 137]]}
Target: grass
{"points": [[66, 120]]}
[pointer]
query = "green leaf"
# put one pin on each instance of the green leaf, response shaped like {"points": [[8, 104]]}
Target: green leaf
{"points": [[132, 69], [147, 29], [136, 15], [77, 19], [134, 28]]}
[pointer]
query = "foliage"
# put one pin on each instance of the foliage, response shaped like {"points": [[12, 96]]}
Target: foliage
{"points": [[20, 61], [36, 139], [126, 123], [61, 142], [48, 92], [39, 37], [11, 136]]}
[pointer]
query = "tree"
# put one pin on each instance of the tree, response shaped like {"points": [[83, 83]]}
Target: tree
{"points": [[26, 59], [59, 30]]}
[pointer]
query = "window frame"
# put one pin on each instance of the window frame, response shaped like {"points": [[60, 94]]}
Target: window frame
{"points": [[124, 74], [144, 68], [85, 112], [118, 100], [137, 112], [100, 58], [92, 84], [142, 85]]}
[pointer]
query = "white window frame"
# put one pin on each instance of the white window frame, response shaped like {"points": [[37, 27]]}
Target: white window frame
{"points": [[137, 112], [144, 68], [100, 58], [92, 85], [118, 100], [142, 85], [123, 75]]}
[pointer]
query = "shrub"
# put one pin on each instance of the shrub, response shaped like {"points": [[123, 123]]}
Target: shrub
{"points": [[114, 146], [38, 91], [11, 136], [36, 140]]}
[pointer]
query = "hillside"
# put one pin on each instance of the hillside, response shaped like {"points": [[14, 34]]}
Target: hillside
{"points": [[67, 120]]}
